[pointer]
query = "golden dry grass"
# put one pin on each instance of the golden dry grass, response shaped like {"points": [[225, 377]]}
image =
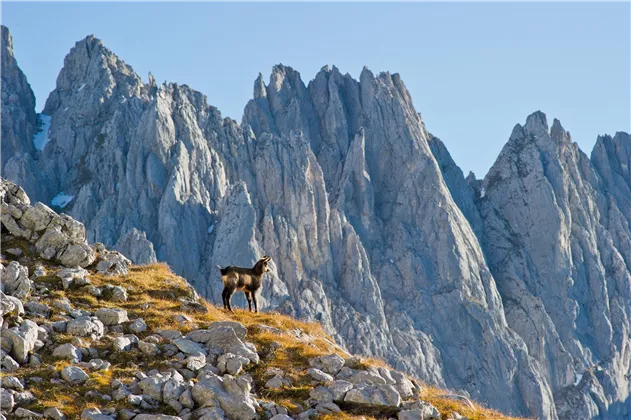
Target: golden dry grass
{"points": [[153, 293]]}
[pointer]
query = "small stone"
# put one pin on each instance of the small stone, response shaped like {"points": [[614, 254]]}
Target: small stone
{"points": [[54, 413], [112, 316], [9, 365], [330, 364], [67, 352], [138, 326], [14, 251], [118, 294], [321, 394], [7, 401], [320, 376], [189, 346], [23, 413], [327, 408], [276, 382], [121, 344], [11, 382], [74, 375], [339, 388], [125, 414], [148, 349]]}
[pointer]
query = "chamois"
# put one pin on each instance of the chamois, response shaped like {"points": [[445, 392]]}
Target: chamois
{"points": [[247, 280]]}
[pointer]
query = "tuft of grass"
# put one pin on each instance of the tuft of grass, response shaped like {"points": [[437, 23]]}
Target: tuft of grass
{"points": [[447, 406]]}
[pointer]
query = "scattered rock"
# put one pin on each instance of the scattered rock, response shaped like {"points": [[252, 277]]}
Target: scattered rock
{"points": [[74, 375], [277, 382], [148, 349], [374, 395], [23, 413], [121, 344], [233, 395], [86, 327], [138, 326], [68, 352], [54, 413], [112, 316], [320, 376], [23, 339], [339, 388], [330, 364], [7, 402]]}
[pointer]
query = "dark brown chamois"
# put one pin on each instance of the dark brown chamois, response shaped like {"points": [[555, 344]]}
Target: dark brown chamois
{"points": [[248, 280]]}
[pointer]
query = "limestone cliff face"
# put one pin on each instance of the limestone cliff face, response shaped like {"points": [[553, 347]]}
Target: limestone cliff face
{"points": [[505, 288], [19, 120], [556, 240]]}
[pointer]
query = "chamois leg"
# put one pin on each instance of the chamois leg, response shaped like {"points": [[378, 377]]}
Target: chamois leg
{"points": [[229, 293], [256, 307], [247, 296], [223, 298]]}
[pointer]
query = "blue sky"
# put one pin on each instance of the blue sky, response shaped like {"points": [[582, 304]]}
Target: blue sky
{"points": [[474, 70]]}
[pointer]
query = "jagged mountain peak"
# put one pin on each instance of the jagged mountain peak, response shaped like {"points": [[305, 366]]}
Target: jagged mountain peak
{"points": [[537, 123], [260, 90], [93, 74], [7, 39], [19, 121]]}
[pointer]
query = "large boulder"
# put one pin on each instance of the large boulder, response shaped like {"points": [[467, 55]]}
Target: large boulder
{"points": [[85, 326], [378, 395], [10, 305], [228, 338], [112, 316], [22, 339], [74, 375], [232, 394], [15, 281], [330, 364]]}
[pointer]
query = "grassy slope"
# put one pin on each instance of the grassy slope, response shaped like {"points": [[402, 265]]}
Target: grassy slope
{"points": [[153, 295]]}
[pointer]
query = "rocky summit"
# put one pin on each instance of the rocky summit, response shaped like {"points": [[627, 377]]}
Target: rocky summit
{"points": [[513, 290]]}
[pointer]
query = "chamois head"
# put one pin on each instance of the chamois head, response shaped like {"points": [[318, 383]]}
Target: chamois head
{"points": [[261, 265]]}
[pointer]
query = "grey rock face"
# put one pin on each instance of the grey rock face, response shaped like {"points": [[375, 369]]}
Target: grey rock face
{"points": [[560, 257], [19, 121]]}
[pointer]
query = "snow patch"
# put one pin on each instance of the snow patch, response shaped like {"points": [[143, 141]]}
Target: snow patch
{"points": [[41, 139], [391, 261], [81, 87], [61, 200], [211, 228], [578, 378], [482, 192]]}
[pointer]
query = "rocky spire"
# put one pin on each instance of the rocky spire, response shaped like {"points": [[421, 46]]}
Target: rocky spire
{"points": [[19, 121]]}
